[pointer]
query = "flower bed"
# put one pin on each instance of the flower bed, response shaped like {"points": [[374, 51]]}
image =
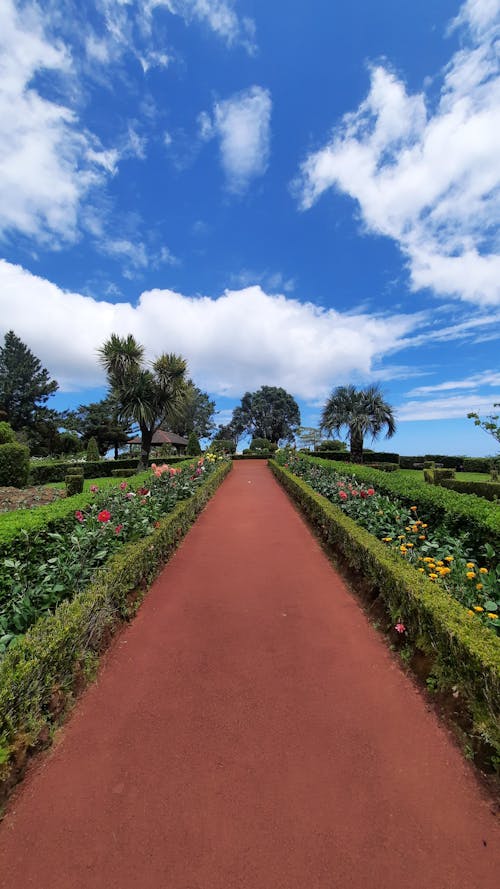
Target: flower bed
{"points": [[52, 565], [465, 654], [449, 560], [51, 662]]}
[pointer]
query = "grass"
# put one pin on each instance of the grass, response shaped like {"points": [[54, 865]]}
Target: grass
{"points": [[418, 475]]}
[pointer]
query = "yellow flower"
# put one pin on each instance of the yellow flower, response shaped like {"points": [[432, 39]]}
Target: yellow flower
{"points": [[444, 571], [413, 508], [386, 539], [424, 526], [439, 563], [408, 528], [448, 558], [403, 549], [471, 575], [401, 536], [421, 570], [483, 570], [421, 536], [470, 565], [427, 559], [492, 616], [433, 576], [409, 544], [479, 586], [478, 608], [470, 611], [414, 529]]}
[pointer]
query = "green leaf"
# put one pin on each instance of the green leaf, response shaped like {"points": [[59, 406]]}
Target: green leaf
{"points": [[490, 605]]}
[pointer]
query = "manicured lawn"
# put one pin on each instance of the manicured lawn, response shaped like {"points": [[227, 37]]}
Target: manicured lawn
{"points": [[418, 475]]}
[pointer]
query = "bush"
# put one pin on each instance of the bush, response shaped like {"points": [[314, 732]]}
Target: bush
{"points": [[58, 651], [384, 467], [344, 456], [223, 446], [467, 655], [262, 444], [429, 476], [7, 434], [75, 470], [122, 473], [488, 490], [477, 464], [74, 484], [384, 457], [41, 473], [93, 454], [331, 444], [441, 474], [193, 446], [14, 465], [429, 464]]}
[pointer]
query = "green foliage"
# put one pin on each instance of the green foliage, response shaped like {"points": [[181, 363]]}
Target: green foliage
{"points": [[331, 444], [43, 473], [489, 424], [429, 464], [193, 445], [60, 647], [478, 464], [7, 434], [25, 385], [429, 476], [262, 444], [441, 474], [466, 654], [223, 446], [362, 412], [122, 473], [195, 414], [489, 490], [92, 450], [74, 484], [99, 420], [384, 467], [270, 413], [14, 465]]}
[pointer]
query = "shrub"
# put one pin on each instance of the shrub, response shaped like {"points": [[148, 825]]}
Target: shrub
{"points": [[441, 474], [75, 470], [193, 445], [223, 446], [345, 456], [429, 476], [331, 444], [384, 457], [384, 467], [263, 444], [477, 464], [14, 465], [41, 473], [92, 450], [74, 484], [488, 490], [7, 434], [122, 473], [429, 464], [466, 654]]}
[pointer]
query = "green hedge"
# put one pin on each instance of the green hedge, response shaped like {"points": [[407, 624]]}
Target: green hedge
{"points": [[74, 485], [43, 473], [489, 490], [58, 651], [14, 464], [478, 464], [441, 475], [384, 467], [122, 473], [467, 655], [448, 508]]}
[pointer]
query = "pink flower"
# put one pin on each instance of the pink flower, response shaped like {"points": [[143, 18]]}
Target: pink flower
{"points": [[400, 628], [342, 495], [123, 486], [118, 529], [370, 492], [79, 516], [94, 489], [104, 516], [130, 495]]}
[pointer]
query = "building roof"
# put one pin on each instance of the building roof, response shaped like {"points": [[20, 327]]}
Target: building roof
{"points": [[161, 437]]}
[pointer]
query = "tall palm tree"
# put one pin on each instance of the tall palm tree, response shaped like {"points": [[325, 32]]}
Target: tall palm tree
{"points": [[362, 411], [152, 396]]}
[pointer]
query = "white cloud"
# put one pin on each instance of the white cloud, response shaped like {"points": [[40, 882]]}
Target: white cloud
{"points": [[242, 124], [48, 163], [135, 255], [454, 407], [486, 378], [219, 15], [241, 340], [429, 179]]}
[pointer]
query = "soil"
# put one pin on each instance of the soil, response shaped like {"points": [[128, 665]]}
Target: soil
{"points": [[25, 498], [251, 729]]}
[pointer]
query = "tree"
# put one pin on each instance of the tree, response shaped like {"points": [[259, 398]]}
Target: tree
{"points": [[196, 414], [150, 396], [193, 445], [362, 411], [25, 386], [490, 424], [268, 413], [100, 420]]}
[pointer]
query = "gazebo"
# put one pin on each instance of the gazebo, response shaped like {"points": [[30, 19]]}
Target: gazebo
{"points": [[161, 437]]}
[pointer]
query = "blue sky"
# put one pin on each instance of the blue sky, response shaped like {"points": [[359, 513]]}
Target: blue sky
{"points": [[285, 194]]}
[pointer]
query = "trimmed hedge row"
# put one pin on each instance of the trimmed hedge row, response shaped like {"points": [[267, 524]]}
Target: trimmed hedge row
{"points": [[250, 456], [488, 490], [59, 652], [43, 473], [448, 508], [467, 655]]}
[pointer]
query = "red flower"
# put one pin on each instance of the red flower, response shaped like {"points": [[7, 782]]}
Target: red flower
{"points": [[342, 495], [363, 495], [104, 516], [370, 492], [118, 529], [79, 516], [400, 628]]}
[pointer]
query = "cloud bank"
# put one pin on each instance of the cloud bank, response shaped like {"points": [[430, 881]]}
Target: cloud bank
{"points": [[429, 178]]}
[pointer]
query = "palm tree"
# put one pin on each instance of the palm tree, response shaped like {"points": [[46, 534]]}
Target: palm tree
{"points": [[150, 397], [362, 411]]}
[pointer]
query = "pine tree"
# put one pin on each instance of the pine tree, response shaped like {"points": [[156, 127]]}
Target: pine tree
{"points": [[25, 386]]}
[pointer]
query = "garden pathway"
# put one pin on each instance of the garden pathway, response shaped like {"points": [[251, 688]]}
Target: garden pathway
{"points": [[249, 730]]}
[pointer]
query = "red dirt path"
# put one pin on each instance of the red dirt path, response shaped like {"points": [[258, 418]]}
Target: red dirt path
{"points": [[250, 731]]}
